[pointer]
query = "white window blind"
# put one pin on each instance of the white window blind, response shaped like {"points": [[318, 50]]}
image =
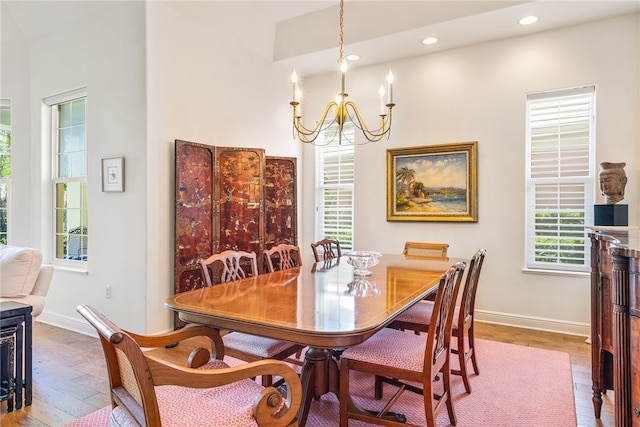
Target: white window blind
{"points": [[335, 188], [560, 178]]}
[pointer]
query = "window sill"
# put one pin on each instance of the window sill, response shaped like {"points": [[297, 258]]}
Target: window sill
{"points": [[72, 269], [556, 272]]}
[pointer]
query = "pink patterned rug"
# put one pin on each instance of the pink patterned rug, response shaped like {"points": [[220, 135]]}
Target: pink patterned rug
{"points": [[517, 386]]}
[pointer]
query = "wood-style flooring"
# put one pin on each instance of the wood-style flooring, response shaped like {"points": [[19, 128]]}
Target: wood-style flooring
{"points": [[70, 378]]}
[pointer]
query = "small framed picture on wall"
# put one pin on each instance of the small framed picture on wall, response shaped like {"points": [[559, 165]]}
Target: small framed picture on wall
{"points": [[113, 174]]}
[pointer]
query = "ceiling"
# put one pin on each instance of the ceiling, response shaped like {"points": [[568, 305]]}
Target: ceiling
{"points": [[306, 32]]}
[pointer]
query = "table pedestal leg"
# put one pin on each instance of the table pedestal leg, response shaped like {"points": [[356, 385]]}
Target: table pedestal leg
{"points": [[319, 376]]}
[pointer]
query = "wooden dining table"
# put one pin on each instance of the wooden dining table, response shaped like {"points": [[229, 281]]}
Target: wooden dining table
{"points": [[323, 306]]}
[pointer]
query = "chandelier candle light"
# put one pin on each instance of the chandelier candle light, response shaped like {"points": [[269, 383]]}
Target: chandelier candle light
{"points": [[344, 110]]}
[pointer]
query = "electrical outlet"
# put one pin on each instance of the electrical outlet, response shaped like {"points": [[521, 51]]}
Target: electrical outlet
{"points": [[108, 291]]}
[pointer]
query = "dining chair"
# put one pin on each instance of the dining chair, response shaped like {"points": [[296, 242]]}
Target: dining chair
{"points": [[147, 390], [429, 250], [417, 318], [399, 357], [282, 257], [232, 265], [330, 249]]}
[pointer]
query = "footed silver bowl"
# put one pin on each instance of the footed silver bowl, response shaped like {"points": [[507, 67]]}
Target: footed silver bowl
{"points": [[362, 261]]}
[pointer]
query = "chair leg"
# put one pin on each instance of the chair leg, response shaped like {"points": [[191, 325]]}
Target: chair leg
{"points": [[446, 382], [429, 413], [344, 392], [267, 380], [377, 391], [472, 350], [462, 360]]}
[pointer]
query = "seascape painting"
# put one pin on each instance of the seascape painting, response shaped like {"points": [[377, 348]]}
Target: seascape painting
{"points": [[432, 183]]}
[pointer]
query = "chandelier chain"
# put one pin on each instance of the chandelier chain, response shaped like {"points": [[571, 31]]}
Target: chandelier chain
{"points": [[341, 54]]}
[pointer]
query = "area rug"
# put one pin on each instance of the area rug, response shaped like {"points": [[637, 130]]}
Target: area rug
{"points": [[517, 386]]}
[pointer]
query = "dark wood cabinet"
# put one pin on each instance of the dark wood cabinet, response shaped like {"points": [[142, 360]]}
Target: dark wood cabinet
{"points": [[229, 198], [615, 321]]}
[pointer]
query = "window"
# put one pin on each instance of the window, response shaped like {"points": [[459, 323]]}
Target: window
{"points": [[5, 169], [560, 178], [334, 187], [69, 142]]}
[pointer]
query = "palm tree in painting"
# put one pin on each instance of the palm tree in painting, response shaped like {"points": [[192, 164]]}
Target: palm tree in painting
{"points": [[404, 176]]}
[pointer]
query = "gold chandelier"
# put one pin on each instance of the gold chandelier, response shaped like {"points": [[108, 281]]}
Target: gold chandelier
{"points": [[342, 110]]}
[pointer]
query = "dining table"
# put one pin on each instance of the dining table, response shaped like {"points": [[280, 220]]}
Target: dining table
{"points": [[324, 306]]}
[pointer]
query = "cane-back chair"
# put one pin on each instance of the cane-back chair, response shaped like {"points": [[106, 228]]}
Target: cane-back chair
{"points": [[146, 389]]}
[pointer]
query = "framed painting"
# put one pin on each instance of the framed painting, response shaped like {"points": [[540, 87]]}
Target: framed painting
{"points": [[433, 183]]}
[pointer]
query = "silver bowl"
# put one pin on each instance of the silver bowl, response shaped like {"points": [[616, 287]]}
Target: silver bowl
{"points": [[362, 261]]}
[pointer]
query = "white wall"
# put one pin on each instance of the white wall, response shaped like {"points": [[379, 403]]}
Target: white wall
{"points": [[477, 93], [105, 54]]}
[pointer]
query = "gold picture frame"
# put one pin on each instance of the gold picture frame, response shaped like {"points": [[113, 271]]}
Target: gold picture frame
{"points": [[113, 174], [433, 183]]}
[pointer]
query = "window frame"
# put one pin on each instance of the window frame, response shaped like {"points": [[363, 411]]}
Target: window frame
{"points": [[52, 104], [5, 104], [573, 173]]}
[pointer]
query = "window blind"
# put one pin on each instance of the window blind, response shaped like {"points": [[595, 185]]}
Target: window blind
{"points": [[560, 178], [335, 188]]}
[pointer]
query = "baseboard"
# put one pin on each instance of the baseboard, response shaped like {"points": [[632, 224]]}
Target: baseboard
{"points": [[537, 323], [66, 322]]}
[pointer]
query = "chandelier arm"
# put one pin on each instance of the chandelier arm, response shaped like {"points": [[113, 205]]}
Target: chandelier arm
{"points": [[372, 136], [304, 133]]}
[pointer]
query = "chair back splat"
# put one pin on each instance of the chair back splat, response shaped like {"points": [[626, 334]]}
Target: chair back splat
{"points": [[282, 257], [223, 397], [228, 266], [329, 249]]}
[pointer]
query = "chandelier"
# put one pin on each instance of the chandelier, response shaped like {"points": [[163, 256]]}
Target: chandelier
{"points": [[340, 110]]}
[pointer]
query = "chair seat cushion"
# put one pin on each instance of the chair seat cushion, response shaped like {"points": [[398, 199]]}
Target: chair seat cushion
{"points": [[391, 347], [259, 346], [421, 313], [230, 405]]}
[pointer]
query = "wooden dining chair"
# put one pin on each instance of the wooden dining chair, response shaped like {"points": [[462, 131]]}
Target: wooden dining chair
{"points": [[235, 265], [428, 250], [147, 390], [326, 249], [417, 318], [282, 257], [399, 357]]}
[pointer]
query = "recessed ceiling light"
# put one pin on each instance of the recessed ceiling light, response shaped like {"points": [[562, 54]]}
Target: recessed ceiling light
{"points": [[527, 20], [430, 40], [353, 57]]}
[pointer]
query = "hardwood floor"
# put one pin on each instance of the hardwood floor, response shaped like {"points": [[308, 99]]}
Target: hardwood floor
{"points": [[70, 378]]}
